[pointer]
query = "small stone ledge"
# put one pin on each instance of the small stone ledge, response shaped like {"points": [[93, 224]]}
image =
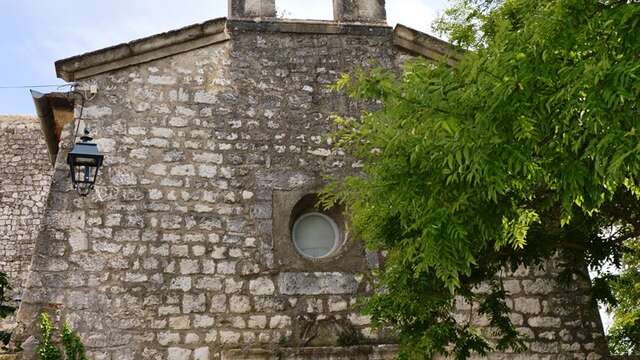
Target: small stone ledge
{"points": [[142, 50], [317, 284], [8, 356], [309, 27], [426, 45], [379, 352]]}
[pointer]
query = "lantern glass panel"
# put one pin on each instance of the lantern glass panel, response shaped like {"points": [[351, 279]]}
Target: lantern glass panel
{"points": [[84, 174]]}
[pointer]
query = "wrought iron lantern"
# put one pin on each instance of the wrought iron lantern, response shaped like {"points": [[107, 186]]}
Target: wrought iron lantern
{"points": [[84, 162]]}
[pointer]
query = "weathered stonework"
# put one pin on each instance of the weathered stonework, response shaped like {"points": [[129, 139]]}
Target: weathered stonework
{"points": [[177, 252], [558, 321], [252, 9], [367, 11], [25, 176]]}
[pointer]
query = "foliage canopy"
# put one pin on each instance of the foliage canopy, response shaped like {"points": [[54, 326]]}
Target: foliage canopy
{"points": [[529, 147]]}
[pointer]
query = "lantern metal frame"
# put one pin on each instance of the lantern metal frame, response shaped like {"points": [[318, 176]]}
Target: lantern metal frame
{"points": [[84, 162]]}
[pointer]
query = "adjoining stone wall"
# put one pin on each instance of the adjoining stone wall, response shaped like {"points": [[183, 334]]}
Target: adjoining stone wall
{"points": [[556, 320], [174, 255], [25, 176]]}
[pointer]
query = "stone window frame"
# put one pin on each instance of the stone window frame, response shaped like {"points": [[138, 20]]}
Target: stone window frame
{"points": [[287, 207]]}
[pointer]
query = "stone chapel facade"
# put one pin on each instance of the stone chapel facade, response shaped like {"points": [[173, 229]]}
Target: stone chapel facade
{"points": [[194, 243]]}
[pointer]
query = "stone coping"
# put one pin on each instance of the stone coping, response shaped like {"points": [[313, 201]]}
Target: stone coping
{"points": [[18, 118], [219, 30], [425, 45], [18, 121]]}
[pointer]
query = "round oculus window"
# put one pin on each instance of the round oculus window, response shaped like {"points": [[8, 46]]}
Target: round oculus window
{"points": [[315, 235]]}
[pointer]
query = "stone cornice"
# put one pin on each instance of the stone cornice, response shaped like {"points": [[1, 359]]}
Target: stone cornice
{"points": [[307, 26]]}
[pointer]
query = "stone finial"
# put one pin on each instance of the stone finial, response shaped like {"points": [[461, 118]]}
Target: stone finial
{"points": [[242, 9], [367, 11]]}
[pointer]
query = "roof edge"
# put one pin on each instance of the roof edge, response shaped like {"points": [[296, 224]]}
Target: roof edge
{"points": [[47, 106], [425, 45], [142, 50]]}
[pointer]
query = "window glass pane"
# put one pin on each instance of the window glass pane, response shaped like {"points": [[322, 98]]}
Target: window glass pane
{"points": [[315, 235]]}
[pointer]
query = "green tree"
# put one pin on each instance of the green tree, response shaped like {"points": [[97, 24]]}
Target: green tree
{"points": [[624, 334], [527, 148]]}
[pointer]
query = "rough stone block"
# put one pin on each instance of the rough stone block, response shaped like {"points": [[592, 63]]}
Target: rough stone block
{"points": [[78, 241], [175, 353], [261, 286], [368, 11], [527, 305], [257, 322], [193, 303], [240, 304], [201, 354], [230, 337], [252, 8], [218, 304], [203, 321], [337, 304], [544, 321], [317, 283], [279, 322], [179, 323]]}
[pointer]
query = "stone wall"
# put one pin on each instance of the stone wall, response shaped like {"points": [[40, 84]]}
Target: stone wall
{"points": [[25, 176], [557, 320], [177, 253]]}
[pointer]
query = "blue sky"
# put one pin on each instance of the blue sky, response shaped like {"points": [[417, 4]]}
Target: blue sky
{"points": [[36, 33]]}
